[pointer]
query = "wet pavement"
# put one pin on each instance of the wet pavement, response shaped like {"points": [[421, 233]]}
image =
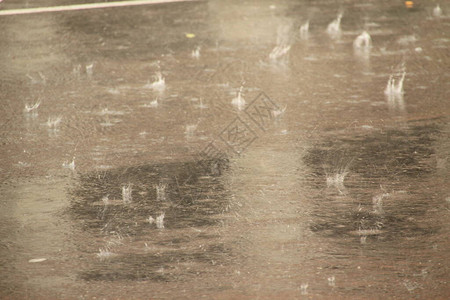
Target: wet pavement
{"points": [[226, 150]]}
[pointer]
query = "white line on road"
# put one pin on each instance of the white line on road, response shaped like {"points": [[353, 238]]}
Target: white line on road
{"points": [[36, 10]]}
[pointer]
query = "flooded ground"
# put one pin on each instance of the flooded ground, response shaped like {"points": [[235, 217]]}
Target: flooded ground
{"points": [[226, 149]]}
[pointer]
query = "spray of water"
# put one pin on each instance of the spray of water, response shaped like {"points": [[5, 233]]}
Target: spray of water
{"points": [[363, 41], [336, 174], [395, 83], [76, 71], [278, 112], [337, 179], [196, 52], [32, 107], [239, 101], [304, 289], [159, 84], [161, 191], [71, 165], [284, 41], [334, 28], [126, 193], [104, 253], [107, 112], [53, 122], [190, 129], [437, 11], [152, 104], [377, 203], [394, 89], [105, 200], [41, 80], [160, 221], [201, 105], [332, 281], [279, 51], [304, 30], [90, 70]]}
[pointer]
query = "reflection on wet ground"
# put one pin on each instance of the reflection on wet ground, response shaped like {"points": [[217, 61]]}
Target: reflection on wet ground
{"points": [[137, 203], [374, 168], [292, 149]]}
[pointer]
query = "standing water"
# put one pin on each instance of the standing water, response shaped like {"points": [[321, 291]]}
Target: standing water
{"points": [[310, 182]]}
